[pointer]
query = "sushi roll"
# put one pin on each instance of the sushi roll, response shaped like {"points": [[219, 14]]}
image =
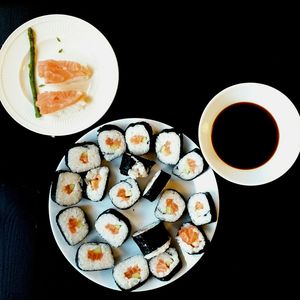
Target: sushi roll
{"points": [[111, 141], [201, 208], [96, 181], [94, 257], [66, 188], [125, 193], [138, 138], [191, 239], [135, 167], [72, 224], [113, 227], [190, 165], [170, 206], [165, 265], [168, 145], [83, 157], [152, 239], [131, 273]]}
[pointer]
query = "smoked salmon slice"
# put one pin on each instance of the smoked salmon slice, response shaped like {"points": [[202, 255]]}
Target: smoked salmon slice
{"points": [[58, 71], [49, 102]]}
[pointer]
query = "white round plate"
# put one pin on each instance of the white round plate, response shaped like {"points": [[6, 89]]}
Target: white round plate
{"points": [[141, 214], [60, 37]]}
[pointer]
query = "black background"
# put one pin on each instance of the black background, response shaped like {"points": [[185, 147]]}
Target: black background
{"points": [[172, 61]]}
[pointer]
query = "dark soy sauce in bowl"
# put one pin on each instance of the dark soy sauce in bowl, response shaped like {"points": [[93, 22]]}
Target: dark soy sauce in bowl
{"points": [[245, 135]]}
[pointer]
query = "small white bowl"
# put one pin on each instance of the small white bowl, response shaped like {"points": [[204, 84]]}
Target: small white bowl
{"points": [[286, 117]]}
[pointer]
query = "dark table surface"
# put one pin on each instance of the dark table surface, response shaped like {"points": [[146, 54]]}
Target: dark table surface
{"points": [[174, 58]]}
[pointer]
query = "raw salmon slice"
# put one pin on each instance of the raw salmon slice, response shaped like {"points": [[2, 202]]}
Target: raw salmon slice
{"points": [[58, 71], [49, 102]]}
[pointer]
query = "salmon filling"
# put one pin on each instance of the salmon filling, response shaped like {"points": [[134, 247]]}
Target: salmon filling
{"points": [[123, 194], [137, 139], [166, 148], [172, 207], [95, 254], [73, 224], [113, 143], [133, 272], [189, 235], [84, 158], [95, 182], [68, 189], [114, 229]]}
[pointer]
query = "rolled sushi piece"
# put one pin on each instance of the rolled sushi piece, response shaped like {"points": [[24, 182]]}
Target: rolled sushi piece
{"points": [[201, 208], [152, 239], [190, 165], [83, 157], [192, 239], [168, 146], [131, 273], [135, 166], [94, 257], [165, 265], [72, 224], [170, 206], [125, 193], [113, 227], [96, 181], [111, 141], [66, 188], [156, 185], [138, 138]]}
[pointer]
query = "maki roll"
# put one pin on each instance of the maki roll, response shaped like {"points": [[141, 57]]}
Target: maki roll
{"points": [[67, 188], [190, 165], [72, 224], [83, 157], [96, 181], [131, 273], [170, 206], [201, 208], [168, 145], [165, 265], [191, 239], [152, 239], [156, 185], [94, 257], [113, 227], [138, 138], [125, 193], [111, 141], [135, 167]]}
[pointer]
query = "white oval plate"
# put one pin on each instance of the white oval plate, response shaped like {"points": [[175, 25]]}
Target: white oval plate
{"points": [[141, 214], [80, 42]]}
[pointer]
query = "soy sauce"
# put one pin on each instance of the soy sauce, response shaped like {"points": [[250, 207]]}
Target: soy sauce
{"points": [[245, 135]]}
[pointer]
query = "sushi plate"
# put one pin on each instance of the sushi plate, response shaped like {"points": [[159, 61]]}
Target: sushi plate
{"points": [[59, 37], [140, 215]]}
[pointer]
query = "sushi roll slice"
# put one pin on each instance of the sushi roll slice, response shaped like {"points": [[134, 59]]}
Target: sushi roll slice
{"points": [[67, 188], [152, 239], [131, 273], [138, 138], [72, 224], [190, 165], [168, 145], [111, 141], [156, 185], [125, 193], [165, 265], [191, 239], [83, 157], [170, 206], [135, 167], [201, 208], [94, 257], [113, 227], [96, 181]]}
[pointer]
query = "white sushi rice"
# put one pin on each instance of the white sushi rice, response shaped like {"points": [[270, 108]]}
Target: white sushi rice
{"points": [[68, 188], [84, 262], [199, 209], [114, 240], [137, 148], [151, 182], [138, 170], [159, 250], [75, 162], [82, 229], [165, 212], [120, 272], [100, 174], [111, 152]]}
